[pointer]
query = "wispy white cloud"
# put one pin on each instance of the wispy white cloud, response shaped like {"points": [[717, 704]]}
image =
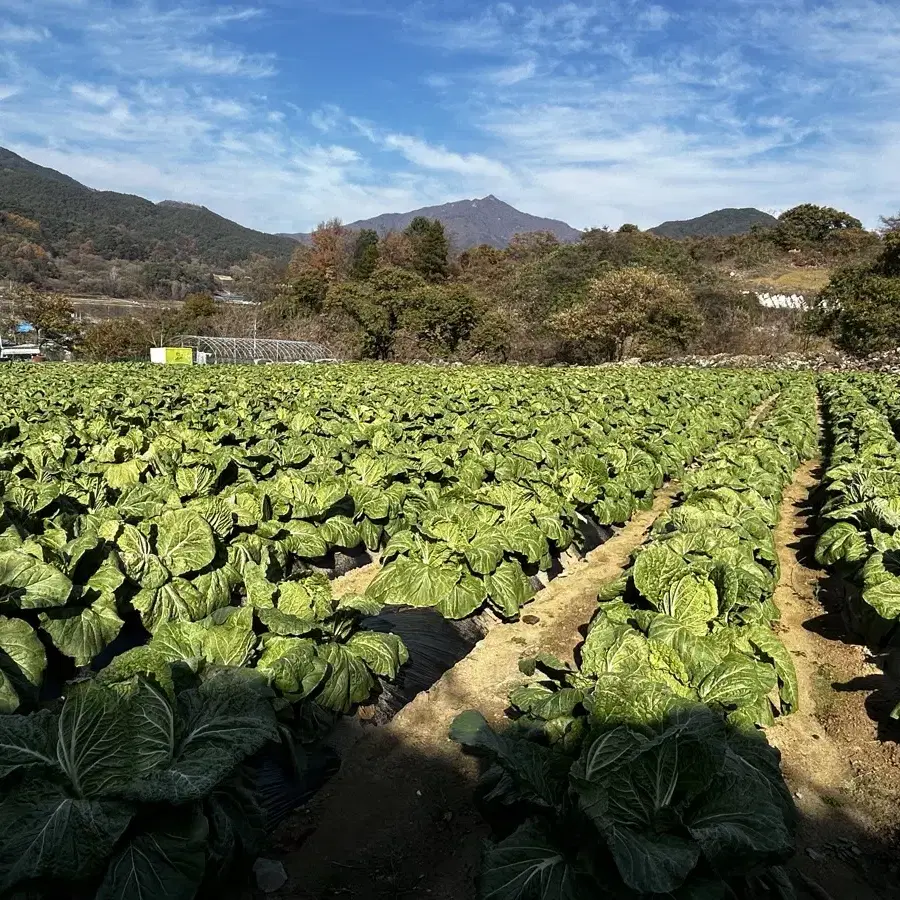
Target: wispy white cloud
{"points": [[655, 17], [325, 119], [440, 159], [565, 28], [593, 111], [22, 34], [210, 60], [156, 38], [227, 109], [95, 95], [506, 76]]}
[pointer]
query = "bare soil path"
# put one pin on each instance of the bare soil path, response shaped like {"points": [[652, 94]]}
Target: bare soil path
{"points": [[356, 581], [398, 820], [844, 776]]}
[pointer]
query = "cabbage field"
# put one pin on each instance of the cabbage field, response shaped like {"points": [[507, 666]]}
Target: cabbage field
{"points": [[170, 541]]}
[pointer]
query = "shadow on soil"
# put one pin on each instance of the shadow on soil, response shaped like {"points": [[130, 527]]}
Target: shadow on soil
{"points": [[833, 624], [432, 849], [414, 833], [837, 859]]}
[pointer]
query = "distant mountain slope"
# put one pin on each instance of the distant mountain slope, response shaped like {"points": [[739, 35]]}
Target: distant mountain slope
{"points": [[122, 225], [470, 223], [10, 160], [720, 223]]}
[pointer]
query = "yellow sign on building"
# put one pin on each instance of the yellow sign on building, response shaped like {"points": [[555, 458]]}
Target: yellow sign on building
{"points": [[179, 356]]}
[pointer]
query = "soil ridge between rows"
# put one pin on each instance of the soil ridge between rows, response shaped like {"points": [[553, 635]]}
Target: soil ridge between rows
{"points": [[398, 820]]}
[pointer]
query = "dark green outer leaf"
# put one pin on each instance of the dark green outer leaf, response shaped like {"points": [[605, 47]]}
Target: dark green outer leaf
{"points": [[163, 864], [529, 866], [219, 724], [93, 740], [539, 772], [46, 834], [652, 863], [28, 742]]}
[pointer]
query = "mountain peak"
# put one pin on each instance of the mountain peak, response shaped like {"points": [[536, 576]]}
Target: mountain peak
{"points": [[484, 220]]}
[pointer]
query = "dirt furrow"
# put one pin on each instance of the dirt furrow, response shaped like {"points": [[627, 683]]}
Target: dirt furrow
{"points": [[356, 581], [844, 779], [398, 819]]}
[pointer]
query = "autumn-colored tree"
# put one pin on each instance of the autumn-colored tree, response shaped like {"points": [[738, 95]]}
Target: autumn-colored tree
{"points": [[12, 222], [299, 262], [31, 251], [396, 250], [628, 311], [115, 340], [51, 315], [483, 259], [329, 251], [487, 271], [532, 245], [430, 248]]}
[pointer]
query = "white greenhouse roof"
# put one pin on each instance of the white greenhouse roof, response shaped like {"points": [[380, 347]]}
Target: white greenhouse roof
{"points": [[242, 350]]}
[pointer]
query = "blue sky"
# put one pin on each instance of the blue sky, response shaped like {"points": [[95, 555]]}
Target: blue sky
{"points": [[282, 113]]}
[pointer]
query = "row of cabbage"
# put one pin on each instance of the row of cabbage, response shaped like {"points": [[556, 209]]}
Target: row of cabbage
{"points": [[641, 771], [189, 514], [488, 545], [175, 520], [860, 543]]}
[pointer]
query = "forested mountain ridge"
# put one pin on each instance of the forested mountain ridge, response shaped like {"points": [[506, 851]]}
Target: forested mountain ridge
{"points": [[470, 223], [12, 161], [719, 223], [123, 226]]}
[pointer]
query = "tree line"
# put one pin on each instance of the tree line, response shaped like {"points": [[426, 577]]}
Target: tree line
{"points": [[610, 296]]}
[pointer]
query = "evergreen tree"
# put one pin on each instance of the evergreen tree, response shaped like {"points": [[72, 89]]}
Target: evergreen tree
{"points": [[811, 224], [430, 248], [365, 255]]}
